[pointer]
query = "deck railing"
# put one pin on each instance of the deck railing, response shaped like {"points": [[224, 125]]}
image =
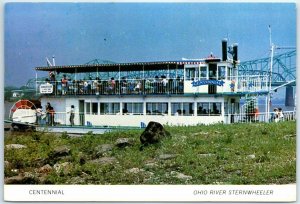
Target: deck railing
{"points": [[62, 118], [252, 83], [107, 87], [259, 117], [124, 86]]}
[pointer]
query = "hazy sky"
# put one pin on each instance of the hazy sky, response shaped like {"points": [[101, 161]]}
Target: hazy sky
{"points": [[126, 32]]}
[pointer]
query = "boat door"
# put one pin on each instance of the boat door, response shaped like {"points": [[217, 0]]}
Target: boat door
{"points": [[212, 74], [81, 112]]}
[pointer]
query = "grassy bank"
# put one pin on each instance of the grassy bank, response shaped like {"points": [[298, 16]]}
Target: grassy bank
{"points": [[216, 154]]}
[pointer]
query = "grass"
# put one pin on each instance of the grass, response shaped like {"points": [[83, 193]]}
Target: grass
{"points": [[255, 153]]}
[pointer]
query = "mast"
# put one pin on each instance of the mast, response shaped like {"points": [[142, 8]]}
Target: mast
{"points": [[272, 46]]}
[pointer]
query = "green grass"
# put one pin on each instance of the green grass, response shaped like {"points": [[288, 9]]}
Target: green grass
{"points": [[215, 154]]}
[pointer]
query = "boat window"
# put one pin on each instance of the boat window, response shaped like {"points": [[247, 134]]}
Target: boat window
{"points": [[156, 108], [203, 73], [115, 108], [226, 108], [133, 108], [215, 108], [88, 108], [229, 73], [95, 108], [212, 71], [109, 108], [191, 73], [207, 108], [188, 109], [104, 108], [234, 73], [175, 109], [202, 108], [184, 109], [221, 72]]}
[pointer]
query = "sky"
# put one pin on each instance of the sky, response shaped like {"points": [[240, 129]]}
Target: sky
{"points": [[76, 33]]}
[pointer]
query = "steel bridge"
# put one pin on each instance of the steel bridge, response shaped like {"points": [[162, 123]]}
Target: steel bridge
{"points": [[284, 67]]}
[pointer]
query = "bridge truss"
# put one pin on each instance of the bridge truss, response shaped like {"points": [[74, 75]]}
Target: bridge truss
{"points": [[284, 67]]}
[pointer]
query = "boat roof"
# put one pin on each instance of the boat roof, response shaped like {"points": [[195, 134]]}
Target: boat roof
{"points": [[132, 66]]}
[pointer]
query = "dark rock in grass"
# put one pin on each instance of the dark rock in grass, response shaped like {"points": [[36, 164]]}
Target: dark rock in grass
{"points": [[24, 178], [59, 152], [153, 133], [124, 142], [167, 156], [105, 160], [102, 149], [40, 162]]}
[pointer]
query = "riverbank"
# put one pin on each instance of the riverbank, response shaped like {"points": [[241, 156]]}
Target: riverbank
{"points": [[256, 153]]}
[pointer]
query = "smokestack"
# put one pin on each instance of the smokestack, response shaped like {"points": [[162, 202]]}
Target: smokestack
{"points": [[235, 52], [224, 49]]}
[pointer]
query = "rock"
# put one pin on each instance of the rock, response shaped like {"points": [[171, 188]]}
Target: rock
{"points": [[151, 165], [287, 137], [105, 160], [180, 175], [153, 133], [76, 180], [15, 146], [14, 180], [135, 170], [206, 155], [124, 142], [102, 149], [25, 178], [217, 132], [218, 183], [167, 156], [64, 168], [7, 164], [40, 162], [45, 169], [251, 156], [60, 152]]}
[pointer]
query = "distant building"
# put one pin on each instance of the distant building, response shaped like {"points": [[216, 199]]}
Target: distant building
{"points": [[17, 93]]}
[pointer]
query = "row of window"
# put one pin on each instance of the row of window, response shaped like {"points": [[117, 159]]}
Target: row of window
{"points": [[203, 108], [215, 72]]}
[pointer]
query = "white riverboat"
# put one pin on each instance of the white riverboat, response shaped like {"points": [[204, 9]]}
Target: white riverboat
{"points": [[184, 92]]}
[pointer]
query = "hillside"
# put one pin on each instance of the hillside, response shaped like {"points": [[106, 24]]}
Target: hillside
{"points": [[218, 154]]}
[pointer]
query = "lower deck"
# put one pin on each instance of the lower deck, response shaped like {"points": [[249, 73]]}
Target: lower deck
{"points": [[138, 111]]}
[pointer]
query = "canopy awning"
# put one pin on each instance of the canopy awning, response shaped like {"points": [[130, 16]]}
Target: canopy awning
{"points": [[134, 66]]}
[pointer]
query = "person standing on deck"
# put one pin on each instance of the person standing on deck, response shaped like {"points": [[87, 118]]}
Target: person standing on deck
{"points": [[72, 115], [64, 84]]}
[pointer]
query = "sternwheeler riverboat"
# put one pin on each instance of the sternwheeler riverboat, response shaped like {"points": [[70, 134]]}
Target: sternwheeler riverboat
{"points": [[185, 92]]}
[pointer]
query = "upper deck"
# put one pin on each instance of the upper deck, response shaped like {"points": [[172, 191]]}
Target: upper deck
{"points": [[206, 76]]}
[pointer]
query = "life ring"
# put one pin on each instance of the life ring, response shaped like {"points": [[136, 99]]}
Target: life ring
{"points": [[21, 104]]}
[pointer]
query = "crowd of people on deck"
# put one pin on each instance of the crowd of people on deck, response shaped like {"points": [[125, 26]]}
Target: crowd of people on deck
{"points": [[47, 117], [158, 85]]}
